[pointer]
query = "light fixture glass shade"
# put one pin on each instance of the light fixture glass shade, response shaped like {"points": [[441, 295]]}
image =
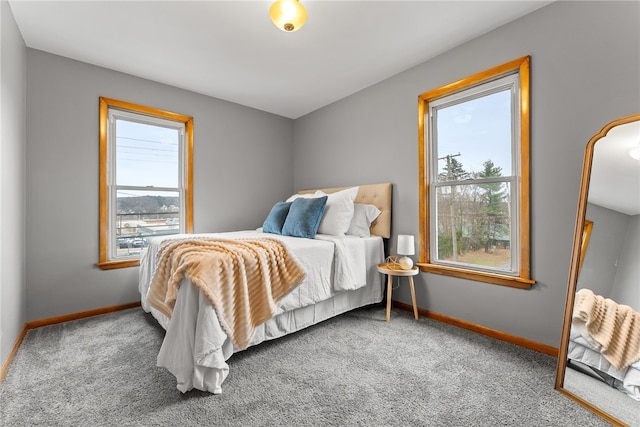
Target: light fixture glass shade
{"points": [[288, 15], [405, 247], [635, 153]]}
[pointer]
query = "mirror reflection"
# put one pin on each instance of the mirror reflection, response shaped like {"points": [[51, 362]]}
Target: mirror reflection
{"points": [[600, 354]]}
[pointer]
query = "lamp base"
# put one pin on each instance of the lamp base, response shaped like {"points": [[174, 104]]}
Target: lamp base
{"points": [[405, 263]]}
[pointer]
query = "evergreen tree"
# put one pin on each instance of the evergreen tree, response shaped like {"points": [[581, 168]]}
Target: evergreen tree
{"points": [[453, 170], [493, 200]]}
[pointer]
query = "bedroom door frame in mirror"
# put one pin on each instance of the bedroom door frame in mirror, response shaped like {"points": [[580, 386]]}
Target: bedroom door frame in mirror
{"points": [[576, 257]]}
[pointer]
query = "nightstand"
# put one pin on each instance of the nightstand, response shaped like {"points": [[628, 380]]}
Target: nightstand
{"points": [[392, 270]]}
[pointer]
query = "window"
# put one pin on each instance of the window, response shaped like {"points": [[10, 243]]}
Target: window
{"points": [[145, 179], [474, 177]]}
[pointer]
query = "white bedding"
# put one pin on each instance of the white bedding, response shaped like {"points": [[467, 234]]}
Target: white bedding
{"points": [[581, 350], [341, 275]]}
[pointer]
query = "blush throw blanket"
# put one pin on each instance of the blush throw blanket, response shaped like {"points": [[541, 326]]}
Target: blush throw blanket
{"points": [[244, 279], [614, 328]]}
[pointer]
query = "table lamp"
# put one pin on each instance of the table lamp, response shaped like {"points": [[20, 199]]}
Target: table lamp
{"points": [[405, 247]]}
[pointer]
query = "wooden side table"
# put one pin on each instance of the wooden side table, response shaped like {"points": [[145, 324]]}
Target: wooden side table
{"points": [[392, 271]]}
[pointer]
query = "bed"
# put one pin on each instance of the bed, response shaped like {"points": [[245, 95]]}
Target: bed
{"points": [[340, 274], [604, 342]]}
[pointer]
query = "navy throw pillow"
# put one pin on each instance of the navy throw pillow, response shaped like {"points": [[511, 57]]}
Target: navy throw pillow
{"points": [[275, 220], [304, 217]]}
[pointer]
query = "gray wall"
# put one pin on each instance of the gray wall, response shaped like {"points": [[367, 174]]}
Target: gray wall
{"points": [[626, 285], [242, 164], [13, 305], [585, 63], [578, 85], [602, 257]]}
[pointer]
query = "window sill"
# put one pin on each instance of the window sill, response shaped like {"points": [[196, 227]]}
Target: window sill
{"points": [[111, 265], [496, 279]]}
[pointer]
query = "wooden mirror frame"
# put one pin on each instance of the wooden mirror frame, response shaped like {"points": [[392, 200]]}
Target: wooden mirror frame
{"points": [[577, 255]]}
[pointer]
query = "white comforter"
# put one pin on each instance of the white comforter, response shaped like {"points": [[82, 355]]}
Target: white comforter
{"points": [[195, 348], [582, 350]]}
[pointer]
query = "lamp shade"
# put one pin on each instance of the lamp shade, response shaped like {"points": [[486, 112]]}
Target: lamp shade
{"points": [[288, 15], [405, 247], [405, 244]]}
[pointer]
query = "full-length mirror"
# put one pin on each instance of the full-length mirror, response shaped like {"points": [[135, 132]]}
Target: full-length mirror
{"points": [[599, 357]]}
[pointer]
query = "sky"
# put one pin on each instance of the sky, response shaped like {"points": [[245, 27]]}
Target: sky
{"points": [[146, 155], [479, 130]]}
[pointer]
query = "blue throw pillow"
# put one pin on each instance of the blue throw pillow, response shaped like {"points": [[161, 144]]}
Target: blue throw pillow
{"points": [[275, 220], [304, 217]]}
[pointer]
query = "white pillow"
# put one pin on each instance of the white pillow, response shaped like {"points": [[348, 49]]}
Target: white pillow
{"points": [[338, 211], [363, 216], [304, 196]]}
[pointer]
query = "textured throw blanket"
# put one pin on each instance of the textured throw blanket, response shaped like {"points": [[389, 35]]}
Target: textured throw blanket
{"points": [[243, 279], [614, 327]]}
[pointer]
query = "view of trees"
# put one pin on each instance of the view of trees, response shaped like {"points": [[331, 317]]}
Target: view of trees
{"points": [[473, 215], [147, 204]]}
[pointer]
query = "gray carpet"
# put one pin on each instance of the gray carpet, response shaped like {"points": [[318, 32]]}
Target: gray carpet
{"points": [[608, 398], [355, 369]]}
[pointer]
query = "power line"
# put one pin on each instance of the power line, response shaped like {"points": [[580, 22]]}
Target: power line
{"points": [[174, 155], [136, 160], [146, 148], [146, 140]]}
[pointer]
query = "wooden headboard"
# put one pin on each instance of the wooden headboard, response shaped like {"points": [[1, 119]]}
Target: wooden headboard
{"points": [[371, 194]]}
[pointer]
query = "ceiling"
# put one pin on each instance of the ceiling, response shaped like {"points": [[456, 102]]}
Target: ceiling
{"points": [[231, 50], [615, 176]]}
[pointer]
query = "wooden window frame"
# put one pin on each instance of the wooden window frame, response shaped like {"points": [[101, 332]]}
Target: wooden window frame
{"points": [[586, 235], [105, 262], [522, 279]]}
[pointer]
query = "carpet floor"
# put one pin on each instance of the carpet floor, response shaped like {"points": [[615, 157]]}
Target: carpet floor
{"points": [[355, 369]]}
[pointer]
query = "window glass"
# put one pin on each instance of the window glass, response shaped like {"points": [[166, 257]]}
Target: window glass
{"points": [[141, 214], [146, 154], [471, 132], [474, 226]]}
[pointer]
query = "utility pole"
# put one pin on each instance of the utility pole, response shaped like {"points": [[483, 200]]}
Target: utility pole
{"points": [[454, 237]]}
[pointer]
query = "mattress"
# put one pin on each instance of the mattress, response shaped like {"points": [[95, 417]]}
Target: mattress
{"points": [[341, 275]]}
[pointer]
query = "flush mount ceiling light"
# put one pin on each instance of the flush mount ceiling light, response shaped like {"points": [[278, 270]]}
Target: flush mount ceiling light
{"points": [[288, 15], [635, 153]]}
